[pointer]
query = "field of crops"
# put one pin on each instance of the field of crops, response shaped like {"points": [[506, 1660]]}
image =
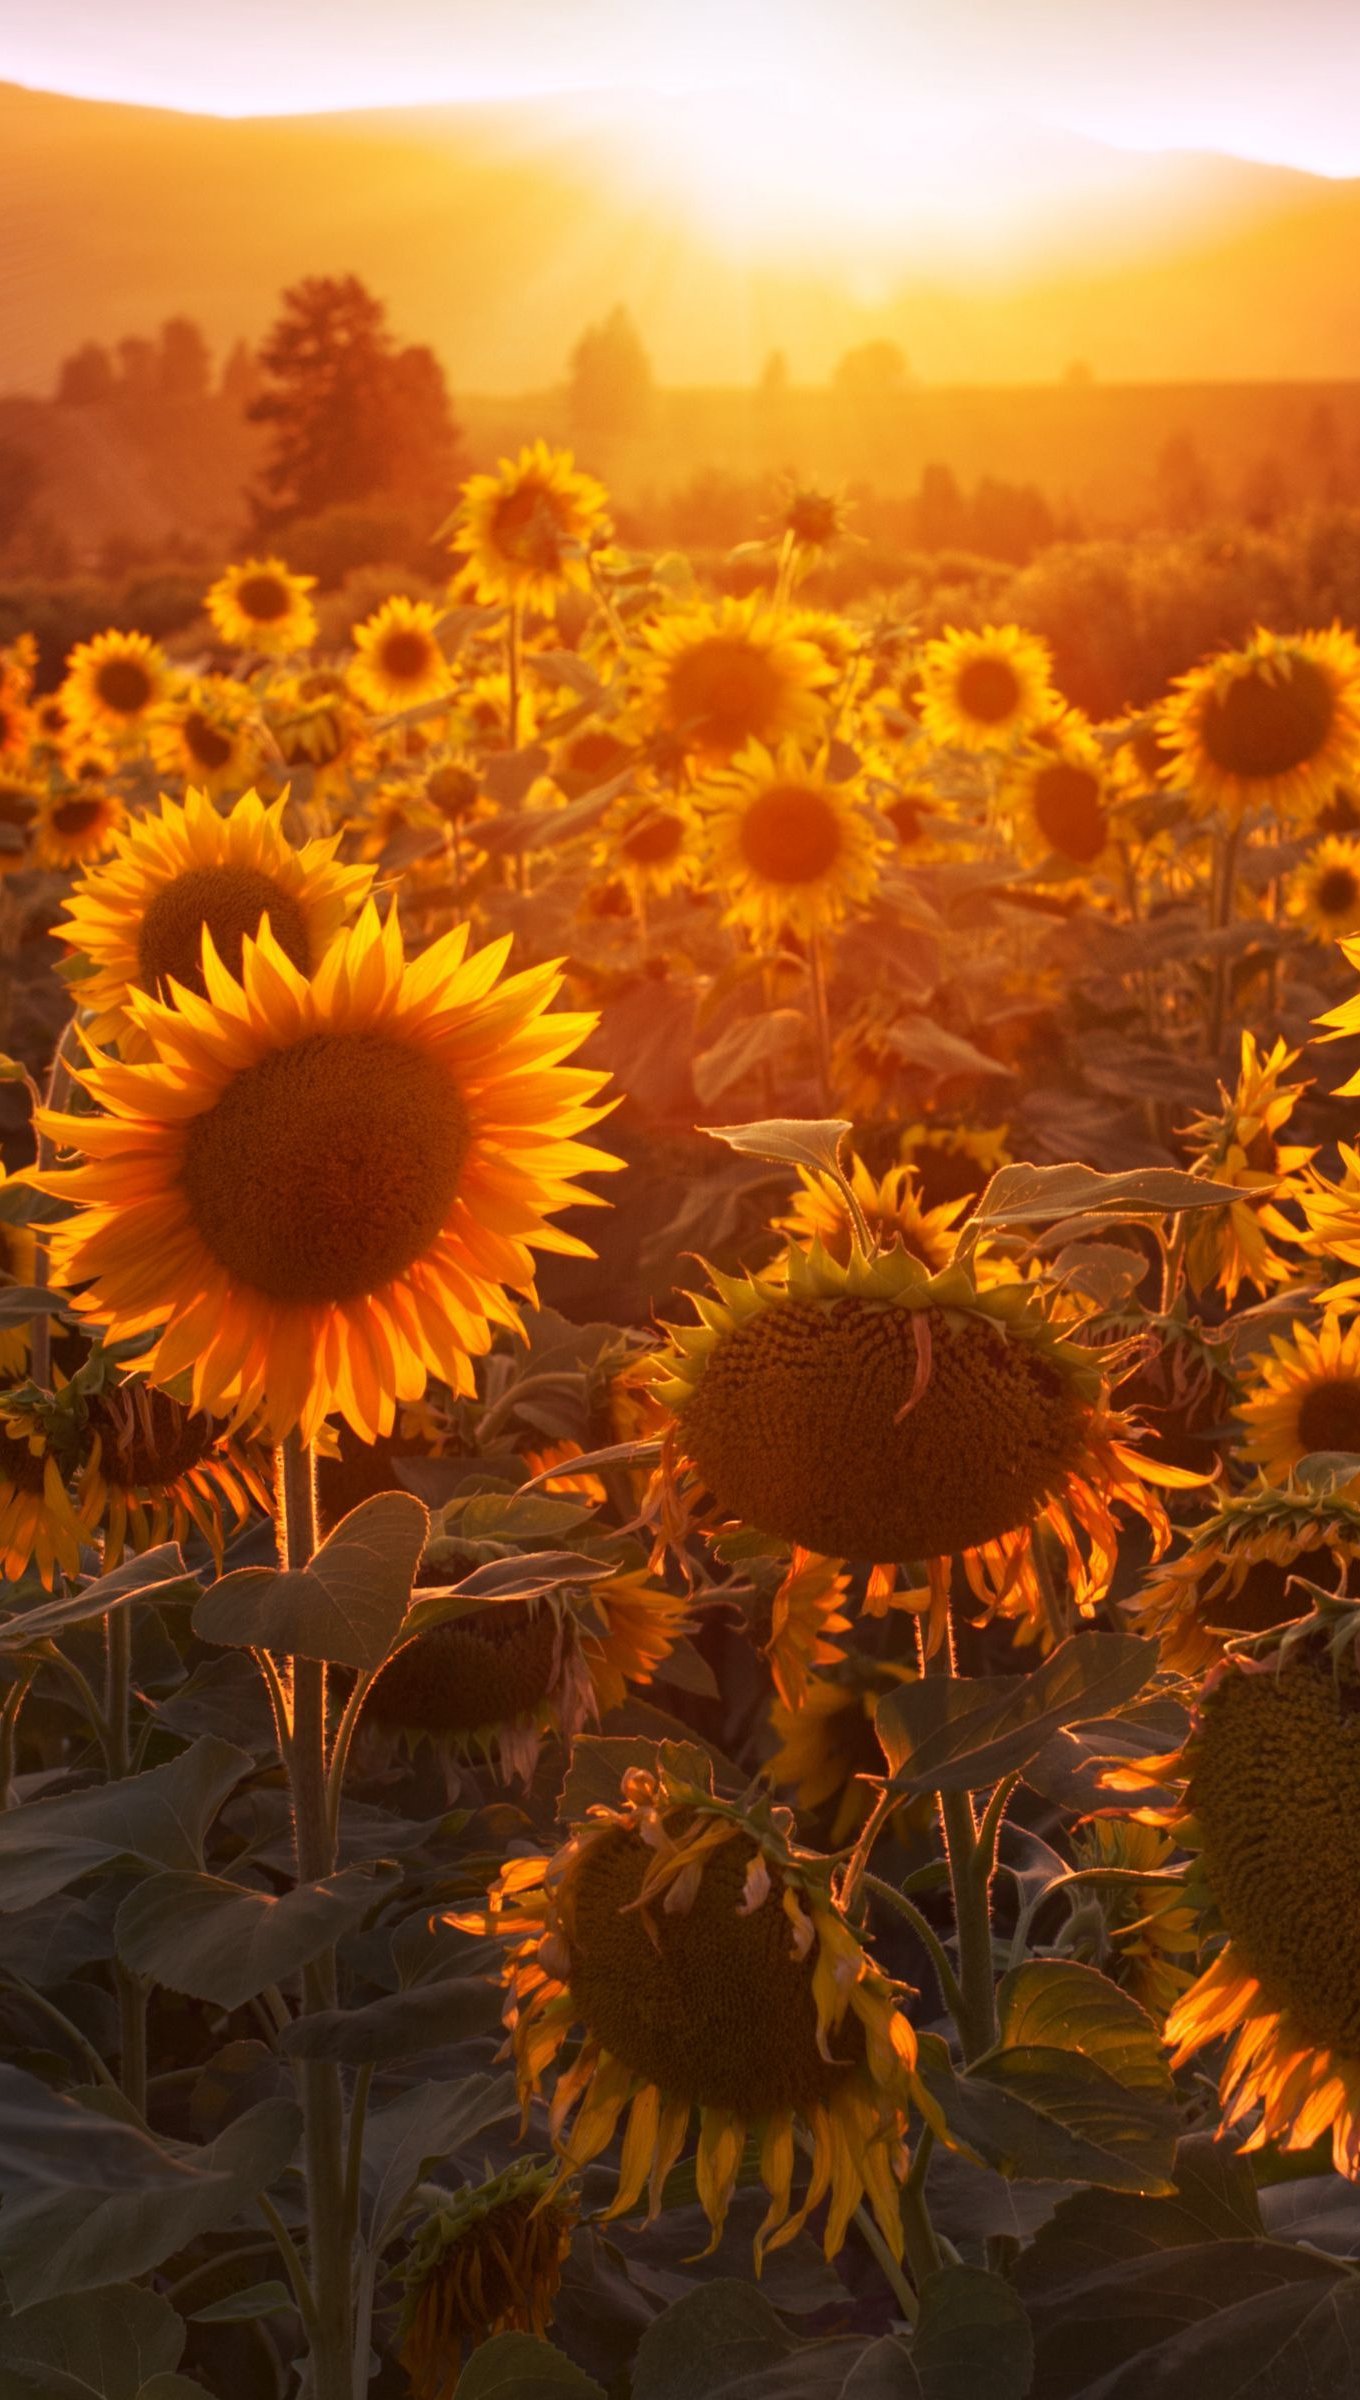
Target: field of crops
{"points": [[679, 1485]]}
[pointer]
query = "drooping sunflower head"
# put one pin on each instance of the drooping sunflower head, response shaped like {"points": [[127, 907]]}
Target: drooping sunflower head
{"points": [[1057, 799], [892, 1209], [1273, 1767], [113, 683], [1273, 725], [209, 735], [41, 1528], [75, 827], [398, 662], [154, 1470], [316, 723], [1324, 890], [710, 1969], [986, 690], [829, 1745], [718, 676], [487, 2260], [1144, 1936], [1233, 1577], [135, 924], [651, 840], [316, 1189], [1305, 1398], [261, 605], [529, 530], [812, 518], [1239, 1143], [18, 1263], [786, 846]]}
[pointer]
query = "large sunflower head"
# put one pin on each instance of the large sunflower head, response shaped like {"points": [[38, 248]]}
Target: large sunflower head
{"points": [[261, 605], [76, 827], [529, 529], [786, 846], [1239, 1143], [1057, 799], [1233, 1576], [1303, 1399], [1273, 725], [986, 690], [651, 840], [487, 2260], [710, 1969], [136, 923], [153, 1470], [209, 735], [398, 662], [313, 1193], [113, 683], [890, 1205], [717, 676], [1324, 890]]}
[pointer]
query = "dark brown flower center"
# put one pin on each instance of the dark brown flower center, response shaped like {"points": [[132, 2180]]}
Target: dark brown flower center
{"points": [[653, 840], [481, 1671], [1329, 1415], [1338, 892], [724, 692], [527, 528], [407, 655], [327, 1168], [1270, 721], [146, 1440], [76, 816], [231, 902], [988, 690], [205, 742], [790, 834], [124, 685], [1068, 811], [263, 597]]}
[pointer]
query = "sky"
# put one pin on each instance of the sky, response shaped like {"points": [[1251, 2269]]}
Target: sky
{"points": [[1277, 80]]}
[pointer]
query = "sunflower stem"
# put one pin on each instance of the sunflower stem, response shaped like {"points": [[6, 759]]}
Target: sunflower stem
{"points": [[923, 2250], [331, 2361], [971, 1884], [820, 1024], [514, 665], [1224, 899], [57, 1094]]}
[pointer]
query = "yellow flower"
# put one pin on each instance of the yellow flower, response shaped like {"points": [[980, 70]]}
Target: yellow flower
{"points": [[1233, 1576], [209, 735], [1240, 1145], [397, 660], [892, 1209], [320, 1183], [1273, 725], [529, 529], [1057, 799], [1306, 1398], [16, 729], [651, 839], [954, 1162], [786, 847], [155, 1469], [1139, 1934], [1324, 891], [21, 797], [984, 691], [137, 921], [316, 724], [39, 1526], [717, 676], [261, 605], [113, 683], [487, 2261], [711, 1970], [829, 1744], [73, 827], [18, 1266]]}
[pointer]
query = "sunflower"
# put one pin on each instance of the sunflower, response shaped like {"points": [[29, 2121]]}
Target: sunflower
{"points": [[39, 1526], [76, 827], [1142, 764], [710, 1968], [261, 605], [953, 1162], [528, 531], [21, 797], [875, 1411], [718, 676], [320, 1185], [829, 1746], [1057, 799], [209, 735], [1139, 1934], [155, 1469], [1274, 725], [1239, 1144], [482, 712], [487, 2260], [890, 1205], [1305, 1399], [1324, 891], [16, 729], [786, 847], [593, 755], [316, 724], [1272, 1811], [18, 1266], [113, 683], [137, 921], [397, 660], [651, 840], [1233, 1576], [18, 666], [797, 1620], [984, 691]]}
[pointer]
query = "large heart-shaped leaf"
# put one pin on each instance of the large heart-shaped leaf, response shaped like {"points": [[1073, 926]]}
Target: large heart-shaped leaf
{"points": [[954, 1734], [161, 1816], [108, 2348], [224, 1942], [346, 1605], [513, 2366]]}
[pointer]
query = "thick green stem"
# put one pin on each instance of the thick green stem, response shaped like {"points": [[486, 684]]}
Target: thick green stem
{"points": [[1225, 898], [331, 2362], [923, 2250], [976, 2015]]}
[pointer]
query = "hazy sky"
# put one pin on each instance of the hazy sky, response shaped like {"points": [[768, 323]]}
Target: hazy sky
{"points": [[1271, 79]]}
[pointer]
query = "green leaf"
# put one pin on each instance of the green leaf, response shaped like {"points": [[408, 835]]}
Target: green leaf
{"points": [[1055, 2116], [423, 2124], [400, 2025], [795, 1141], [1214, 2199], [346, 1605], [1058, 2004], [513, 2366], [76, 2240], [1027, 1195], [947, 1734], [158, 1576], [709, 2341], [515, 1517], [107, 2348], [244, 2308], [49, 2142], [161, 1816], [973, 2341], [225, 1942]]}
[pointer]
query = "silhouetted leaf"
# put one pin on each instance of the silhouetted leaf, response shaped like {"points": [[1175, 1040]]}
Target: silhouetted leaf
{"points": [[160, 1816], [955, 1734], [109, 2347], [513, 2366], [158, 1576], [225, 1942], [346, 1605]]}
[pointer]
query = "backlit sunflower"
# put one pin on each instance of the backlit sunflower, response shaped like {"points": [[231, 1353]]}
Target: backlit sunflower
{"points": [[74, 828], [892, 1209], [18, 666], [1240, 1144], [529, 529], [954, 1162], [1324, 891], [1304, 1399], [39, 1525], [984, 691], [717, 676], [1272, 1811], [829, 1744], [1057, 799], [651, 840], [710, 1969], [17, 730], [488, 2260], [1274, 725], [320, 1185], [594, 755], [1144, 1936], [21, 797], [786, 847], [397, 660], [209, 735], [1232, 1577], [113, 683], [316, 723], [135, 924], [154, 1470], [261, 605], [18, 1267]]}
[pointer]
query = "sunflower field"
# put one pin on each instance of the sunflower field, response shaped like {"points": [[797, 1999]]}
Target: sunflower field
{"points": [[680, 1499]]}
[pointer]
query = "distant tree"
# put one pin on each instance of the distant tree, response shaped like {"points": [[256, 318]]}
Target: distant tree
{"points": [[184, 364], [610, 389], [1266, 495], [1010, 521], [138, 368], [1079, 375], [772, 383], [240, 378], [423, 435], [1184, 487], [351, 415], [86, 379], [871, 371], [941, 510]]}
